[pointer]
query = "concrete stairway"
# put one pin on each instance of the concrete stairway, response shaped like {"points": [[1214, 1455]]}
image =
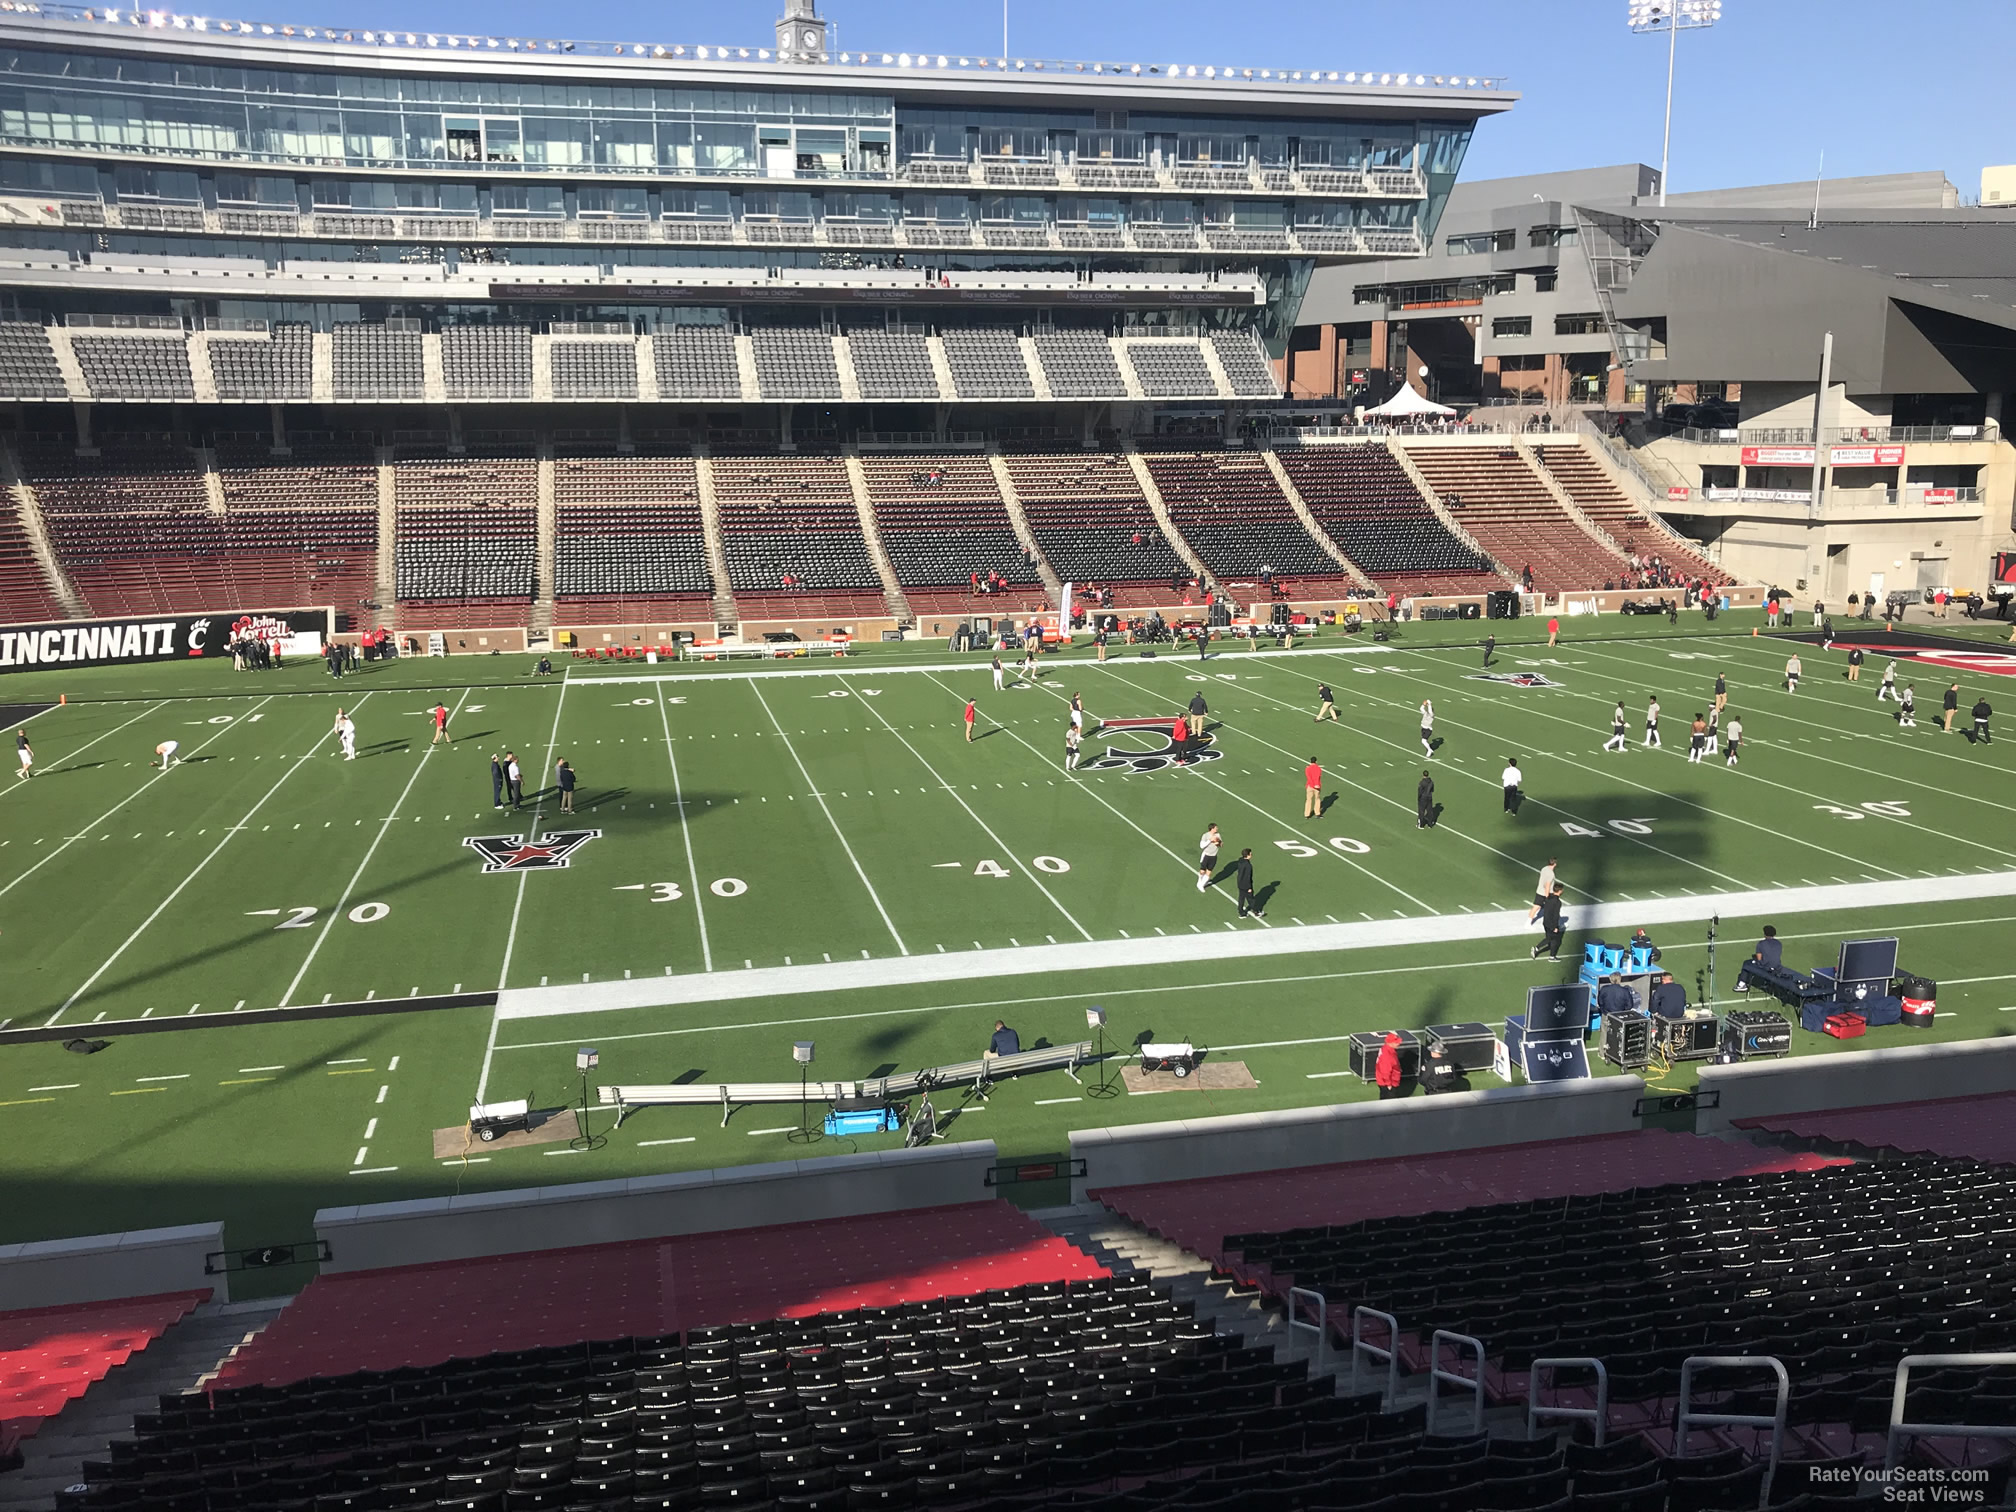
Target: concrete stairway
{"points": [[1159, 508], [1127, 1249], [1441, 511], [179, 1361], [1300, 505], [871, 532], [726, 615], [540, 629], [28, 509], [1018, 519]]}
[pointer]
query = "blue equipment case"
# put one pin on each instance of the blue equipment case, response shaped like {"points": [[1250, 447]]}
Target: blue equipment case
{"points": [[863, 1121]]}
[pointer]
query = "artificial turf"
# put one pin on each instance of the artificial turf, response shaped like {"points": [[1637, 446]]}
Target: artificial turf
{"points": [[753, 817]]}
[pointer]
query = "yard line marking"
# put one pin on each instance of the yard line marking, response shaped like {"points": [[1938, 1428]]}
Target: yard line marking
{"points": [[1321, 1075], [22, 1102], [754, 1132], [178, 1076], [63, 1087], [490, 1049], [1099, 955], [152, 705], [1051, 1102], [462, 1160], [873, 896], [563, 1152], [161, 908], [362, 1152], [685, 834], [532, 833], [647, 1143], [371, 1128], [102, 818], [136, 1091], [381, 1093], [1274, 818], [358, 1060], [381, 1170], [1888, 746], [1028, 871], [1092, 792], [243, 1081], [350, 888], [248, 1070], [392, 1064]]}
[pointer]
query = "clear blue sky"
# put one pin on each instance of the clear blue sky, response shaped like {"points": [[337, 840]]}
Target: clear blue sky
{"points": [[1882, 87]]}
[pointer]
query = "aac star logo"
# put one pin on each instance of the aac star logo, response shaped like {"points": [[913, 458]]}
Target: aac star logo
{"points": [[1152, 758], [515, 853]]}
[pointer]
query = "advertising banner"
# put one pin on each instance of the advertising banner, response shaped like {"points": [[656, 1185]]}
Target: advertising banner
{"points": [[168, 637], [1679, 494], [1777, 456], [1866, 456]]}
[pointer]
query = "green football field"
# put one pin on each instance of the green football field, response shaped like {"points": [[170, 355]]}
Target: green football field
{"points": [[765, 853]]}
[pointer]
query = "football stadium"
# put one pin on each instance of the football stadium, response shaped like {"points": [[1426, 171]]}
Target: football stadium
{"points": [[740, 617]]}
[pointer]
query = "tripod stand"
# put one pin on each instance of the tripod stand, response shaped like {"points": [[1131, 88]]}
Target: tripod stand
{"points": [[1105, 1085], [1712, 924], [585, 1140], [804, 1133]]}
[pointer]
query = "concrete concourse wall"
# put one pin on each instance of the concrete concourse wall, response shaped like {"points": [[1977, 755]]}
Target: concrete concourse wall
{"points": [[1190, 1149], [1859, 1079], [106, 1267], [652, 1207]]}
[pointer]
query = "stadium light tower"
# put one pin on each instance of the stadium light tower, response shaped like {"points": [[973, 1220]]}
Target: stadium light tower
{"points": [[1672, 17]]}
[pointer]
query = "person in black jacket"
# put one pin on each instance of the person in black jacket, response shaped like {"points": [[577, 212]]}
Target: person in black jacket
{"points": [[1948, 707], [496, 782], [1242, 870], [1424, 802], [563, 777], [1552, 925], [1982, 714]]}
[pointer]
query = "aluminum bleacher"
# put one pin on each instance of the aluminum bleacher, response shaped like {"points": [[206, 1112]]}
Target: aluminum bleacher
{"points": [[135, 367], [795, 362], [594, 369], [28, 367], [629, 542], [695, 362], [1585, 481], [1371, 508], [278, 365], [943, 523], [1235, 517], [1079, 365], [892, 365], [1171, 369], [1245, 363], [987, 364], [376, 362], [1504, 504], [794, 517], [1094, 527], [487, 362]]}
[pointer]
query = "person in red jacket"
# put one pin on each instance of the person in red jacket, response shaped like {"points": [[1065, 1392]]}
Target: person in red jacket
{"points": [[1387, 1072], [1553, 631], [1179, 738]]}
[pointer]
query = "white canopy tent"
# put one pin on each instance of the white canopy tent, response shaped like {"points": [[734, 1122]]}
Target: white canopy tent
{"points": [[1405, 404]]}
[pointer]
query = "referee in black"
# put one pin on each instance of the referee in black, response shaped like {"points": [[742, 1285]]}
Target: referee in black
{"points": [[1424, 802], [1242, 869]]}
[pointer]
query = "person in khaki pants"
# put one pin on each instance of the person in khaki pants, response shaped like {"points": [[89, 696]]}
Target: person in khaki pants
{"points": [[1312, 789]]}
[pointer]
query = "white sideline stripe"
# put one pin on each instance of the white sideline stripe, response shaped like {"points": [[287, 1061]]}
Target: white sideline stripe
{"points": [[1164, 657], [1100, 955]]}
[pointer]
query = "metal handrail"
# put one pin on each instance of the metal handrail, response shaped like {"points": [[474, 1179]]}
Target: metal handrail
{"points": [[1362, 1348], [1437, 1375], [1899, 1429], [1321, 1325], [1599, 1414], [1686, 1417]]}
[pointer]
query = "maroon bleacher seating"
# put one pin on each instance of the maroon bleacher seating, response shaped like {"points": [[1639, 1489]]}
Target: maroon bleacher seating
{"points": [[1982, 1128], [49, 1356], [24, 593], [424, 1314], [942, 520], [1496, 496], [1584, 481], [629, 543]]}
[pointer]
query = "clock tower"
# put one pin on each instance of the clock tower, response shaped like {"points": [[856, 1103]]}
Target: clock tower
{"points": [[801, 35]]}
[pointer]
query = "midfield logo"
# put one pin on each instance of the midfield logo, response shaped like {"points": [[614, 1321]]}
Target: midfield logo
{"points": [[514, 853], [1159, 752], [1516, 679]]}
